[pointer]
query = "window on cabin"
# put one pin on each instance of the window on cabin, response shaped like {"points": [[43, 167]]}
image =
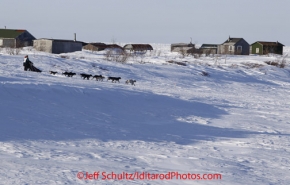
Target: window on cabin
{"points": [[239, 48], [257, 50], [230, 48]]}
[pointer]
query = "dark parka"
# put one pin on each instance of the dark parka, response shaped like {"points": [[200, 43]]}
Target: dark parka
{"points": [[27, 64]]}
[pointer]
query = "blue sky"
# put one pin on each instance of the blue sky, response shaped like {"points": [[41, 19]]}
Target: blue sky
{"points": [[150, 21]]}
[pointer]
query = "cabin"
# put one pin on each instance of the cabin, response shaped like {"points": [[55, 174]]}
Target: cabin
{"points": [[96, 46], [177, 47], [264, 48], [234, 46], [14, 38], [114, 49], [57, 46], [208, 49]]}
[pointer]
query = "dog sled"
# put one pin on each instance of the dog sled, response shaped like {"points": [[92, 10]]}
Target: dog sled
{"points": [[33, 68]]}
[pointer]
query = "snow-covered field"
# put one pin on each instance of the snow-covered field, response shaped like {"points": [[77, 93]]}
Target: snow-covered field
{"points": [[234, 122]]}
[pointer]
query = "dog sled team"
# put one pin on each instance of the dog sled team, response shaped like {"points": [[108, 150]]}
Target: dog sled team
{"points": [[28, 66]]}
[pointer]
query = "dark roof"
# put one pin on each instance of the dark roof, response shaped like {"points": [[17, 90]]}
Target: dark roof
{"points": [[61, 40], [97, 44], [233, 40], [101, 45], [182, 45], [209, 46], [113, 46], [269, 43], [9, 33], [138, 47], [83, 43]]}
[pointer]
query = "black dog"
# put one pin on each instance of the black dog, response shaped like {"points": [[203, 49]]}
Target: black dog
{"points": [[69, 74], [98, 77], [52, 72], [85, 76], [114, 79]]}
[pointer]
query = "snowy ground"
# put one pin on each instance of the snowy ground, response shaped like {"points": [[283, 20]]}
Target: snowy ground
{"points": [[235, 122]]}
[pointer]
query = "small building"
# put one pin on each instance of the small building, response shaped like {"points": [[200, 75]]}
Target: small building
{"points": [[15, 38], [209, 49], [263, 48], [177, 47], [96, 46], [234, 46], [57, 46], [138, 47], [114, 49]]}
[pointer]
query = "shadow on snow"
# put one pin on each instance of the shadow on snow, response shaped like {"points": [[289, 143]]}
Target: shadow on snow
{"points": [[41, 112]]}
